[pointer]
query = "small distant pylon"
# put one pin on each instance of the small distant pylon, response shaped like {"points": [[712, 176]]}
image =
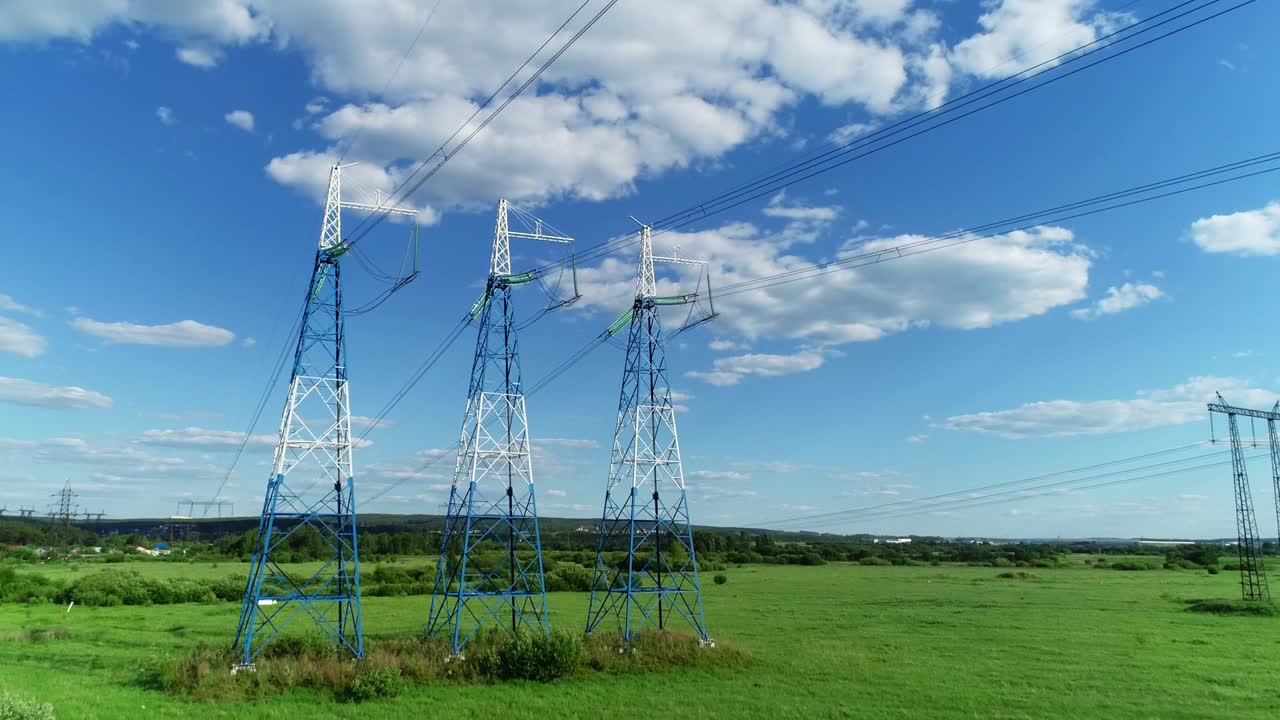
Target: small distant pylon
{"points": [[1253, 576], [26, 513], [64, 507], [646, 506], [311, 486], [490, 568]]}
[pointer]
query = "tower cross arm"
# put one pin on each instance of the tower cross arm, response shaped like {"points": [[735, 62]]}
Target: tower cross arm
{"points": [[387, 209], [1226, 409]]}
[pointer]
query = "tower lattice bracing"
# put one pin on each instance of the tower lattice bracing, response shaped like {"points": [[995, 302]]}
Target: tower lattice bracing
{"points": [[310, 497], [490, 569], [1273, 442], [1253, 577], [646, 569]]}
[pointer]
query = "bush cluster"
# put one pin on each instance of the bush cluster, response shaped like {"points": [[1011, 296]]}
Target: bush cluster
{"points": [[529, 656], [376, 683], [109, 588]]}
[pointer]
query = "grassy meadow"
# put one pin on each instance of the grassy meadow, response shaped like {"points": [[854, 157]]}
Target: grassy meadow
{"points": [[838, 640]]}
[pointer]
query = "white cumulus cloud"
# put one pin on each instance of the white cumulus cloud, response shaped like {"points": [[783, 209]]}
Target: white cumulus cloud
{"points": [[19, 338], [566, 442], [185, 333], [1177, 405], [16, 391], [165, 115], [201, 57], [1250, 232], [195, 437], [732, 370], [1118, 299], [242, 119]]}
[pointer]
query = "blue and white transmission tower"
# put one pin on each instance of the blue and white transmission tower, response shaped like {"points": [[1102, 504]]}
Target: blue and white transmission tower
{"points": [[311, 489], [646, 569], [490, 568]]}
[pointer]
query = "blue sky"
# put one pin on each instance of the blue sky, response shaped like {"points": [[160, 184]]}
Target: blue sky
{"points": [[165, 166]]}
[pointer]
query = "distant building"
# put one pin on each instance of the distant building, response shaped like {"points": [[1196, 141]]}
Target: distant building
{"points": [[1166, 542], [893, 541]]}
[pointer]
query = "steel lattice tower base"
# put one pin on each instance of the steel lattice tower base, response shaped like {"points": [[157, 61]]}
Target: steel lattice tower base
{"points": [[490, 569], [311, 495], [646, 569]]}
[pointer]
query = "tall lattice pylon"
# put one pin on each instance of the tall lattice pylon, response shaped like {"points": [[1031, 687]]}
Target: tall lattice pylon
{"points": [[311, 490], [490, 569], [646, 569], [1253, 576]]}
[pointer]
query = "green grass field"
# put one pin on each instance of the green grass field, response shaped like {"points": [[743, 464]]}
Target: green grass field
{"points": [[831, 641]]}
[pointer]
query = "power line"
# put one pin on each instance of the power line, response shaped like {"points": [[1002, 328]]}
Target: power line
{"points": [[392, 202], [1003, 498], [845, 154], [704, 210], [911, 249], [787, 178], [1028, 220], [263, 398], [445, 155], [417, 375], [1012, 487], [408, 51], [992, 486]]}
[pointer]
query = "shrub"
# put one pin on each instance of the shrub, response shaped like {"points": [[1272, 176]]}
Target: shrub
{"points": [[720, 579], [569, 577], [1016, 575], [13, 707], [376, 683], [312, 645], [230, 587], [1001, 562], [1212, 569], [542, 658], [875, 561]]}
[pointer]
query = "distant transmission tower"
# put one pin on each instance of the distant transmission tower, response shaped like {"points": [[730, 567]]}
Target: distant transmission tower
{"points": [[64, 507], [646, 509], [1253, 577], [490, 568], [311, 488]]}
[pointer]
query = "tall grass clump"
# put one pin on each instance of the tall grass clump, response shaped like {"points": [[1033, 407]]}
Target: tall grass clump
{"points": [[393, 665], [13, 707]]}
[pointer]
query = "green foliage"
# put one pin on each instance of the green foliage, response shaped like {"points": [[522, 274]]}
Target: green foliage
{"points": [[537, 657], [569, 577], [1016, 575], [376, 683], [13, 707], [874, 561], [720, 579]]}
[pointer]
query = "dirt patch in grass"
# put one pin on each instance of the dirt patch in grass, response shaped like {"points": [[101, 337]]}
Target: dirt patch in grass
{"points": [[1016, 575]]}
